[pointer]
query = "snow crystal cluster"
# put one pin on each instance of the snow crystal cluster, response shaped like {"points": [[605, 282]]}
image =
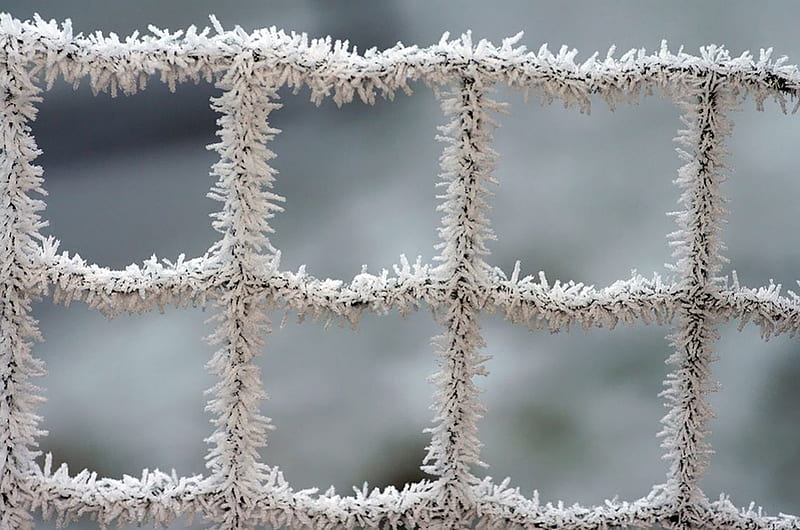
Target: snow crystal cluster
{"points": [[241, 275]]}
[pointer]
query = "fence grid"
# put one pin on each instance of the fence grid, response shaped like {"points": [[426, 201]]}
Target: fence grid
{"points": [[241, 273]]}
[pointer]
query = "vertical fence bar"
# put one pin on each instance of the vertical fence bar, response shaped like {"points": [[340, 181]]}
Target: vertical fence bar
{"points": [[467, 164], [698, 262], [18, 330], [243, 188]]}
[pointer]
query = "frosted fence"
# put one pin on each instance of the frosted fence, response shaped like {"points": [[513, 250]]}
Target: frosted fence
{"points": [[241, 276]]}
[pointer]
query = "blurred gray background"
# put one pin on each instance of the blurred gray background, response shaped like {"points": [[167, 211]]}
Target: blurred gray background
{"points": [[580, 197]]}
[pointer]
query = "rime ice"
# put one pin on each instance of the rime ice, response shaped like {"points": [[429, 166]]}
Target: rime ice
{"points": [[241, 273]]}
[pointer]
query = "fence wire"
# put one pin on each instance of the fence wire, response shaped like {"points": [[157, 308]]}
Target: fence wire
{"points": [[241, 273]]}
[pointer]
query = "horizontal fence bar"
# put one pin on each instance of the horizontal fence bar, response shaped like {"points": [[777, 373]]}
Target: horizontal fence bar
{"points": [[330, 68]]}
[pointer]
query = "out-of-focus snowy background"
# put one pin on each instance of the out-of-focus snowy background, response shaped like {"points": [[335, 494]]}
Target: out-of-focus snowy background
{"points": [[580, 197]]}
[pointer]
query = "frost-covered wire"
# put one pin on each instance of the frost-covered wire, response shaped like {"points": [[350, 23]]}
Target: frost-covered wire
{"points": [[21, 221], [241, 276], [243, 188], [467, 163], [698, 263]]}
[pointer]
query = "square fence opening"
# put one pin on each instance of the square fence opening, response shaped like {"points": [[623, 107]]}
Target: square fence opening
{"points": [[574, 414], [349, 406], [127, 177], [359, 181], [114, 388], [583, 196], [762, 172], [755, 408]]}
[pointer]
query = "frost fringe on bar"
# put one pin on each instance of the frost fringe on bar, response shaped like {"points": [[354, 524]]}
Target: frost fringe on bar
{"points": [[698, 251], [240, 274], [19, 234], [467, 164], [237, 475]]}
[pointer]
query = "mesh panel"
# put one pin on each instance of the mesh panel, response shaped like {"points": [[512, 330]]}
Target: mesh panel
{"points": [[241, 276]]}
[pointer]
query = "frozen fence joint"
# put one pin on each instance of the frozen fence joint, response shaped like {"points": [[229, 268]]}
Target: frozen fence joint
{"points": [[241, 273]]}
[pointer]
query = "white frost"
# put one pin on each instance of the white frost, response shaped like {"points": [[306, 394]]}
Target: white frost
{"points": [[241, 273]]}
